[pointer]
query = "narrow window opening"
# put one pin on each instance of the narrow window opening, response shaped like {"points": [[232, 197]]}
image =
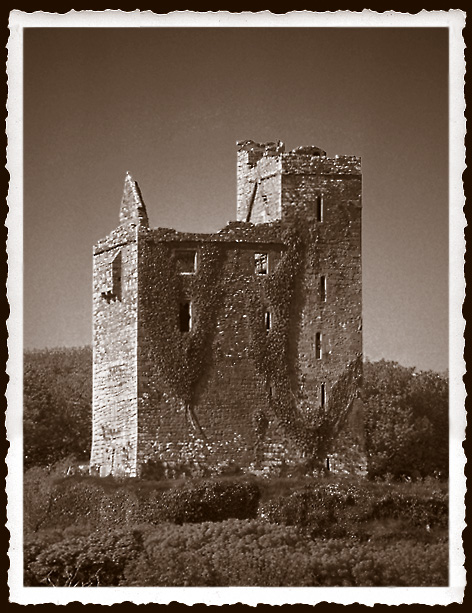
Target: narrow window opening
{"points": [[268, 320], [111, 284], [323, 395], [318, 347], [319, 208], [323, 288], [185, 316], [186, 261], [116, 275], [261, 263], [327, 463]]}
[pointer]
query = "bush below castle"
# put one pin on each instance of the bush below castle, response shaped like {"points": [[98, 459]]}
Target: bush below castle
{"points": [[86, 531]]}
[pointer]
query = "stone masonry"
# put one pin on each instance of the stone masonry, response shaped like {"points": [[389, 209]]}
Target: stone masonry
{"points": [[241, 348]]}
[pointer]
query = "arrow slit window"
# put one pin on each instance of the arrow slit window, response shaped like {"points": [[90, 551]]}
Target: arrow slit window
{"points": [[185, 316]]}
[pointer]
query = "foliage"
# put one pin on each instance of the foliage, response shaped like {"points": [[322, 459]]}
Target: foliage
{"points": [[39, 494], [336, 510], [97, 559], [233, 552], [57, 405], [256, 554], [406, 421], [181, 358], [211, 501], [138, 533], [274, 353], [76, 501]]}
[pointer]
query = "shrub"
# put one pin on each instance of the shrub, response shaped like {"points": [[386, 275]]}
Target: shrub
{"points": [[209, 501], [429, 511], [38, 497], [76, 501], [251, 553], [318, 509], [336, 510], [97, 559]]}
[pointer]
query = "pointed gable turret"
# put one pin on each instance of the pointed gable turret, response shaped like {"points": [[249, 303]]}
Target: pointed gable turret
{"points": [[132, 205]]}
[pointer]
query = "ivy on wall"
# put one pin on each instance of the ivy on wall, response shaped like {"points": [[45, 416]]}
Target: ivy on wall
{"points": [[181, 358], [275, 353]]}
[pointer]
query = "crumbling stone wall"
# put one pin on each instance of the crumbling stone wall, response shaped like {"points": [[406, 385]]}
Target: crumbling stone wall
{"points": [[204, 357], [115, 367]]}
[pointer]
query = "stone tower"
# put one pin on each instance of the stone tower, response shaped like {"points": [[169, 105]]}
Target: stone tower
{"points": [[243, 346]]}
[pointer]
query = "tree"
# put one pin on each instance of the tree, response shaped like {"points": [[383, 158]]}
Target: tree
{"points": [[406, 420], [57, 395]]}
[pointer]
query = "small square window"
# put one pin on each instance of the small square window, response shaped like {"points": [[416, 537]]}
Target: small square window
{"points": [[261, 263], [186, 261]]}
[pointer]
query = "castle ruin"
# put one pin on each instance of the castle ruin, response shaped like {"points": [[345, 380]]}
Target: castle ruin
{"points": [[238, 348]]}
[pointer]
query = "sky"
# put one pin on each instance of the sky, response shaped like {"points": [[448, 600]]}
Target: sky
{"points": [[169, 104]]}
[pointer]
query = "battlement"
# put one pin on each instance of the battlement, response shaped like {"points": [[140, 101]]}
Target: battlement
{"points": [[253, 151]]}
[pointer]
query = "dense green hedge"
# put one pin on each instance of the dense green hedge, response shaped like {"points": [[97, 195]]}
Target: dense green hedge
{"points": [[90, 531], [337, 510], [233, 552], [86, 501]]}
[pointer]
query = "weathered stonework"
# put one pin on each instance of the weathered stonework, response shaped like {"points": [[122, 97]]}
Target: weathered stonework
{"points": [[242, 347]]}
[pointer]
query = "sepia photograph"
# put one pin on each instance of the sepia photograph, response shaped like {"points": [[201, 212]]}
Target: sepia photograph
{"points": [[236, 280]]}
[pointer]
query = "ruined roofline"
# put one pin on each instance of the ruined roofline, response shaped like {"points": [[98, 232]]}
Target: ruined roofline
{"points": [[270, 159], [233, 234]]}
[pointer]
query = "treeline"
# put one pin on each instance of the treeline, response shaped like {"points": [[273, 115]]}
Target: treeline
{"points": [[57, 405], [406, 421], [406, 414]]}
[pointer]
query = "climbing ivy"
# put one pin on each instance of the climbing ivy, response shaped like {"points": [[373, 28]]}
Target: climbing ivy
{"points": [[181, 358], [275, 352]]}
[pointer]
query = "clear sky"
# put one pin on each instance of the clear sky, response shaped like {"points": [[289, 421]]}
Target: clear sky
{"points": [[169, 104]]}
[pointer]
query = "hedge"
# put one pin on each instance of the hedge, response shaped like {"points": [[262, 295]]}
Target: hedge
{"points": [[78, 502], [232, 552]]}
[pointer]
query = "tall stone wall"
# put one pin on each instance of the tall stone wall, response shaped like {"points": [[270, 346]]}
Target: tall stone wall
{"points": [[115, 316], [214, 423], [324, 195]]}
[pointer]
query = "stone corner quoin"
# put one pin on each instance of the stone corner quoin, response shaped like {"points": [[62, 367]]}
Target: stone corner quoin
{"points": [[241, 348]]}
